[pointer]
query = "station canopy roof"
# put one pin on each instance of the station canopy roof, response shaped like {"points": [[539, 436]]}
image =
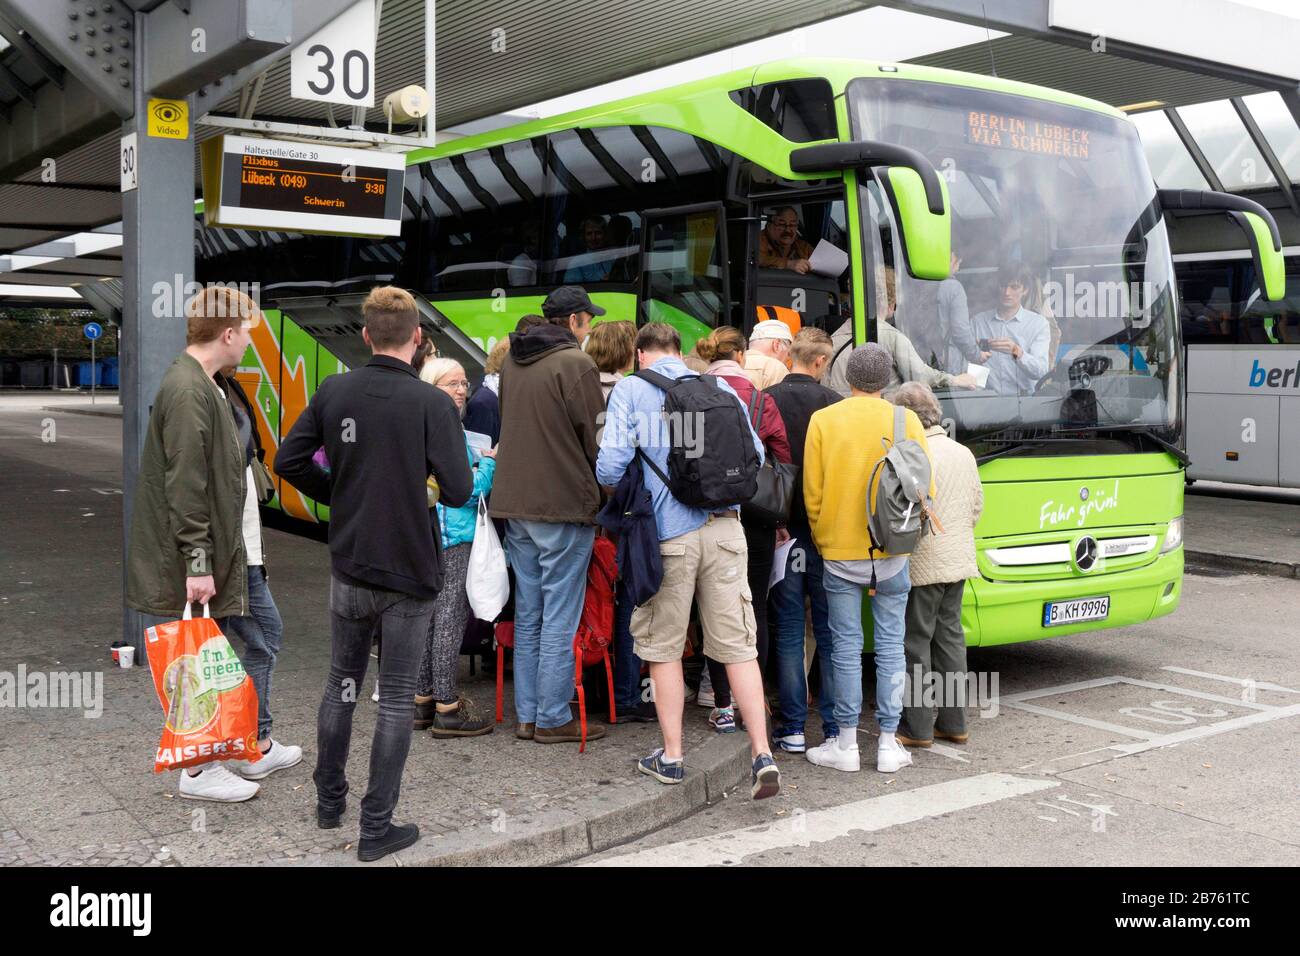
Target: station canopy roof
{"points": [[1206, 123]]}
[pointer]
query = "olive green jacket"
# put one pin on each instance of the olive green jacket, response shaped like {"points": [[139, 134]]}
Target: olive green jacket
{"points": [[187, 519]]}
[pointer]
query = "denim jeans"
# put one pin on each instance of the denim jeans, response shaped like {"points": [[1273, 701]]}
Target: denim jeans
{"points": [[627, 666], [550, 563], [788, 607], [259, 634], [889, 610], [354, 611]]}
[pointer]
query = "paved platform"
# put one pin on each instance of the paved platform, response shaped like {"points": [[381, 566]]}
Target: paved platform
{"points": [[77, 789], [1243, 528]]}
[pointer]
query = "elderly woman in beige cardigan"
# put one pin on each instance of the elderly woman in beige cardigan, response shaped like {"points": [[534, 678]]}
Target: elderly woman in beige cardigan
{"points": [[935, 644]]}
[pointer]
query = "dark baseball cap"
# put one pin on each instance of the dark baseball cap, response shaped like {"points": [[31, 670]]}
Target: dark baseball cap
{"points": [[568, 299]]}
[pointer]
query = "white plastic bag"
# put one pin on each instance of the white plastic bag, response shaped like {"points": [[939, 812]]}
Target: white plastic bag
{"points": [[487, 584]]}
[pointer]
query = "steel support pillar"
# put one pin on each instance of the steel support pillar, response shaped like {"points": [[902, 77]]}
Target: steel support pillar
{"points": [[157, 257]]}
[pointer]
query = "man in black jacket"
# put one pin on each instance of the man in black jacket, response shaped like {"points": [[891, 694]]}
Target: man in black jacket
{"points": [[384, 432], [797, 396]]}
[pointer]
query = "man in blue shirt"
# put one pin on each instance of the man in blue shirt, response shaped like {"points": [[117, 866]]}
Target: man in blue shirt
{"points": [[1015, 339], [704, 559]]}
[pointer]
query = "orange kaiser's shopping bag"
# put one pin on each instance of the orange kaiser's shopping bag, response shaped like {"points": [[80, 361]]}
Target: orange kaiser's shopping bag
{"points": [[209, 702]]}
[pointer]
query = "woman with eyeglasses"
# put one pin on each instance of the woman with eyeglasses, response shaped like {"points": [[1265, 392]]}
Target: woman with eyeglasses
{"points": [[437, 704]]}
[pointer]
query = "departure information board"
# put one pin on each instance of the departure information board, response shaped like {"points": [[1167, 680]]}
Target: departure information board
{"points": [[1005, 131], [299, 187]]}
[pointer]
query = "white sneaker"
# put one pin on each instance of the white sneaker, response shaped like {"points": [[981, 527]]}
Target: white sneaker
{"points": [[278, 757], [218, 784], [705, 698], [790, 743], [891, 756], [830, 754]]}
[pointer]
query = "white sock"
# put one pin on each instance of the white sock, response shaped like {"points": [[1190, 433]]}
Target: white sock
{"points": [[847, 740]]}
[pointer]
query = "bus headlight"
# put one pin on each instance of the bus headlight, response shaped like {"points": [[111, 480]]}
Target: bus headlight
{"points": [[1174, 536]]}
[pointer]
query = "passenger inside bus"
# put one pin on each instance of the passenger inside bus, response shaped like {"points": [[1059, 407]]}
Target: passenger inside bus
{"points": [[936, 318], [590, 266], [621, 235], [908, 365], [523, 265]]}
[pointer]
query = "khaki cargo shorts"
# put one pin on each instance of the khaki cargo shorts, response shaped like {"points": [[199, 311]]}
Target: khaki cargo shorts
{"points": [[710, 567]]}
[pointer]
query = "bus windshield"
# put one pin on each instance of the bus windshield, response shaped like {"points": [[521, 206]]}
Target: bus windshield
{"points": [[1057, 323]]}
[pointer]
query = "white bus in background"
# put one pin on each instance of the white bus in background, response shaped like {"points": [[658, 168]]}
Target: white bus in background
{"points": [[1242, 422]]}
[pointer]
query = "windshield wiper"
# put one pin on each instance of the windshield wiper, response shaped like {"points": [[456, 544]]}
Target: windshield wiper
{"points": [[1145, 431], [1010, 448], [1027, 444]]}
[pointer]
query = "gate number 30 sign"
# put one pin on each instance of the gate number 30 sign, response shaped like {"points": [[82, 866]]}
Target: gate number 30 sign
{"points": [[337, 63]]}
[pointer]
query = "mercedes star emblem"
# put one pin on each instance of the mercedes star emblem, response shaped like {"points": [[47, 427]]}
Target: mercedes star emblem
{"points": [[1085, 553]]}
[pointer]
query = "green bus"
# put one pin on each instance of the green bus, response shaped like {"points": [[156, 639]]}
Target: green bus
{"points": [[931, 184]]}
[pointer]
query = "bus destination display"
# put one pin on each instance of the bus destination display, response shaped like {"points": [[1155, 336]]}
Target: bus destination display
{"points": [[1004, 131], [267, 184]]}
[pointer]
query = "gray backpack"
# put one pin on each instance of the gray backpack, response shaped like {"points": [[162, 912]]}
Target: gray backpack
{"points": [[902, 511]]}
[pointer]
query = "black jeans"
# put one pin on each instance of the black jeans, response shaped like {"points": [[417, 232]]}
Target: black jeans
{"points": [[760, 541], [354, 612]]}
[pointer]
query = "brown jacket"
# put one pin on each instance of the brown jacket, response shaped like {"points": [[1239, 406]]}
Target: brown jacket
{"points": [[551, 409]]}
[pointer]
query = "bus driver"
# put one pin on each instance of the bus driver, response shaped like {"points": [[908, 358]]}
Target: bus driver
{"points": [[1013, 340]]}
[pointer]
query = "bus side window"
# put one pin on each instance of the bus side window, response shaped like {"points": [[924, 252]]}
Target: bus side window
{"points": [[598, 183]]}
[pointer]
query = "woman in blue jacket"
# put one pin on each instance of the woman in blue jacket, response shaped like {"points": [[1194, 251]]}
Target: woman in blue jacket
{"points": [[437, 705]]}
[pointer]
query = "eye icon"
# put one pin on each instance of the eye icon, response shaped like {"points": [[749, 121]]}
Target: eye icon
{"points": [[166, 112]]}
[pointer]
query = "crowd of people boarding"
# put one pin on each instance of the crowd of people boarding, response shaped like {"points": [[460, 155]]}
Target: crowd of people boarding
{"points": [[739, 489]]}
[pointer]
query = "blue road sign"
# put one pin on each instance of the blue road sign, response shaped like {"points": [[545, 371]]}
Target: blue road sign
{"points": [[93, 330]]}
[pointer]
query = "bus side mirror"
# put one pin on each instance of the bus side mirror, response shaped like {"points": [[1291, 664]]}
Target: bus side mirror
{"points": [[925, 235], [1254, 220], [1269, 264], [917, 195]]}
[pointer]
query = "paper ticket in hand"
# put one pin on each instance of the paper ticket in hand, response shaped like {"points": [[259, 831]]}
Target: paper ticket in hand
{"points": [[778, 563], [828, 259], [478, 441], [978, 372]]}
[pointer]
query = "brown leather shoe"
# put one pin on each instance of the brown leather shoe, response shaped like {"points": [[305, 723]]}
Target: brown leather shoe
{"points": [[424, 711], [570, 733], [955, 738], [461, 722], [912, 741], [525, 731]]}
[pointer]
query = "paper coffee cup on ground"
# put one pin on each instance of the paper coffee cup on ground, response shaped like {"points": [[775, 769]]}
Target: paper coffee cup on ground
{"points": [[126, 656]]}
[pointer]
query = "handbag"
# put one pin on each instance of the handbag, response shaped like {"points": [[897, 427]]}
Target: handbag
{"points": [[263, 482], [770, 505]]}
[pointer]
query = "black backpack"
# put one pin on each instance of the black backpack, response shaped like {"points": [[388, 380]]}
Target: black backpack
{"points": [[712, 461]]}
